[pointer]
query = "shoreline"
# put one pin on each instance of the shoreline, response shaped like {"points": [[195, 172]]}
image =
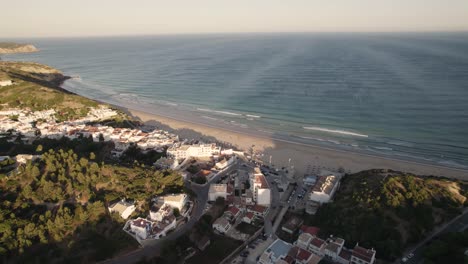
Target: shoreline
{"points": [[303, 156]]}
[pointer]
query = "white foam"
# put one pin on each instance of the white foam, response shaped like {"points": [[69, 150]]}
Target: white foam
{"points": [[219, 112], [209, 117], [383, 148], [253, 116], [227, 113], [342, 132]]}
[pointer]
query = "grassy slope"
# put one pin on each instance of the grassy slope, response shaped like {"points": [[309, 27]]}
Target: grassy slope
{"points": [[38, 87], [10, 45], [389, 210]]}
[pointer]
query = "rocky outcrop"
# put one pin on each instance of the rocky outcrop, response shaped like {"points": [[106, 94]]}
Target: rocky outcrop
{"points": [[16, 48]]}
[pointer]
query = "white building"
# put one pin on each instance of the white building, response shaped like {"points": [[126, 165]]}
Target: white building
{"points": [[260, 189], [275, 252], [159, 215], [125, 209], [141, 227], [324, 189], [176, 200], [217, 190], [195, 151], [362, 256], [222, 225], [160, 228], [6, 83], [224, 163]]}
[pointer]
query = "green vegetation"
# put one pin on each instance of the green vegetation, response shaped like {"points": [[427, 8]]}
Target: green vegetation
{"points": [[38, 87], [54, 209], [247, 228], [219, 248], [10, 45], [449, 248], [389, 210]]}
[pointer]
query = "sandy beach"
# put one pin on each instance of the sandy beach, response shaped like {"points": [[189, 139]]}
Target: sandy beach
{"points": [[304, 157]]}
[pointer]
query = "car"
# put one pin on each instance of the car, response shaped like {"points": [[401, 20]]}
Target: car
{"points": [[251, 246], [410, 255]]}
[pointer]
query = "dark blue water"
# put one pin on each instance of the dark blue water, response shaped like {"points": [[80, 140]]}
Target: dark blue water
{"points": [[404, 95]]}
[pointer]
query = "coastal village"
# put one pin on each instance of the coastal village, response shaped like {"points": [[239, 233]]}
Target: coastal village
{"points": [[255, 198]]}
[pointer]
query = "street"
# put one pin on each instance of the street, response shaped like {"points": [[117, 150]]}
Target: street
{"points": [[152, 248], [458, 224]]}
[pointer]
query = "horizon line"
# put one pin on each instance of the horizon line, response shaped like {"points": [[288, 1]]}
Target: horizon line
{"points": [[243, 33]]}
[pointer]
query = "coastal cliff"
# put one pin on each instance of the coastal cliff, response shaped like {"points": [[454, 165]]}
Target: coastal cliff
{"points": [[9, 47]]}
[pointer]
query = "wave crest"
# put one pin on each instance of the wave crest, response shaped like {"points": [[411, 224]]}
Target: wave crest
{"points": [[335, 131]]}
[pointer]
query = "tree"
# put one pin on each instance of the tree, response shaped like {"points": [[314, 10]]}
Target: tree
{"points": [[176, 212], [39, 148]]}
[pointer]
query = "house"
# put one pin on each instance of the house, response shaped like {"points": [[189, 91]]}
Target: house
{"points": [[317, 246], [176, 200], [222, 225], [276, 251], [141, 227], [6, 83], [292, 225], [300, 255], [260, 188], [257, 210], [248, 217], [362, 256], [123, 208], [344, 257], [195, 151], [324, 189], [312, 230], [161, 213], [224, 163], [160, 228], [304, 240], [216, 191], [333, 247], [233, 212]]}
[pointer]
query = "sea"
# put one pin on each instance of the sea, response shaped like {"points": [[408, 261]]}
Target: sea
{"points": [[399, 95]]}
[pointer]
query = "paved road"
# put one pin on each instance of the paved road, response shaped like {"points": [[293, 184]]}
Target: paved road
{"points": [[458, 224], [152, 248]]}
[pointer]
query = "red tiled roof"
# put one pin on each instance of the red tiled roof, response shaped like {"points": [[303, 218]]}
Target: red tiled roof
{"points": [[345, 254], [249, 215], [233, 210], [310, 230], [317, 242], [303, 254], [362, 253], [261, 180], [258, 208], [289, 259]]}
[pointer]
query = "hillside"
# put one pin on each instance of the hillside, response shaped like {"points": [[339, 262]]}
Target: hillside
{"points": [[54, 209], [389, 210], [37, 87], [10, 47]]}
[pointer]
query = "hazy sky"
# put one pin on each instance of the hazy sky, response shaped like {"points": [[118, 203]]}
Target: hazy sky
{"points": [[41, 18]]}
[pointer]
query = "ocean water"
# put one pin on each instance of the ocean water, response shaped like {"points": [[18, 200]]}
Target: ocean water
{"points": [[398, 95]]}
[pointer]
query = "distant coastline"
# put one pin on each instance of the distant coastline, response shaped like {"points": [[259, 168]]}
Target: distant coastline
{"points": [[10, 48]]}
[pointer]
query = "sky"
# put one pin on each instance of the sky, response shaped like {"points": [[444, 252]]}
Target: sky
{"points": [[62, 18]]}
